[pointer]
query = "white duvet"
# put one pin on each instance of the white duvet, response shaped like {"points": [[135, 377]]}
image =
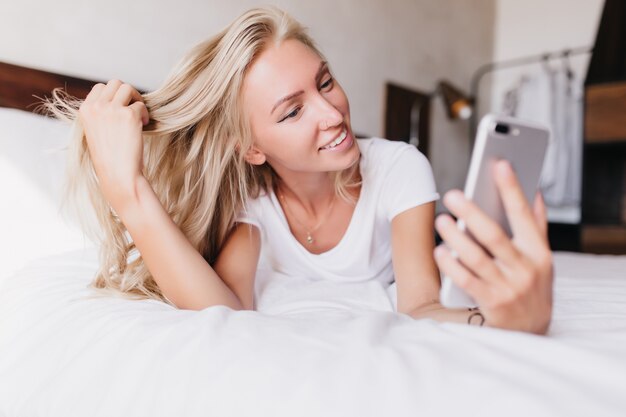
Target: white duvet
{"points": [[314, 349]]}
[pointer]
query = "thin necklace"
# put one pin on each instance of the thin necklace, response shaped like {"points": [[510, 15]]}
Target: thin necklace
{"points": [[309, 232]]}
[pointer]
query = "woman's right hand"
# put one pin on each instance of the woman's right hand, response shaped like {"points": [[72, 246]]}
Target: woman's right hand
{"points": [[113, 116], [514, 287]]}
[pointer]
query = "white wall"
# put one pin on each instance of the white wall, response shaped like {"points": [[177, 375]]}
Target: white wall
{"points": [[368, 42], [411, 42], [533, 27]]}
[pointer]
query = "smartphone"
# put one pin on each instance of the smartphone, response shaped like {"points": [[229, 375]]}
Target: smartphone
{"points": [[523, 144]]}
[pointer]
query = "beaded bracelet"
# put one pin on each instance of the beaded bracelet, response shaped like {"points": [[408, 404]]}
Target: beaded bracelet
{"points": [[476, 313]]}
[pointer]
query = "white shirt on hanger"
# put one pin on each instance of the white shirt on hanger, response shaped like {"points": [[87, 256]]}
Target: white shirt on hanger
{"points": [[552, 97]]}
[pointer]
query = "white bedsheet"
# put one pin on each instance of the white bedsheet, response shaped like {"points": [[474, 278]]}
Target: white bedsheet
{"points": [[314, 350]]}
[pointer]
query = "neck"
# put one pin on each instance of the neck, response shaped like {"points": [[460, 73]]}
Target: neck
{"points": [[313, 191]]}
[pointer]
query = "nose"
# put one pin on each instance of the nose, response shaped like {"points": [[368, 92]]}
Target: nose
{"points": [[331, 117]]}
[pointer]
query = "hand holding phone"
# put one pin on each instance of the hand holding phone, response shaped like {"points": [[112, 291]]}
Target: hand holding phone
{"points": [[521, 143], [514, 288]]}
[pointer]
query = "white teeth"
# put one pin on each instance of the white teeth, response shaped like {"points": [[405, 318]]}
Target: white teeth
{"points": [[337, 141]]}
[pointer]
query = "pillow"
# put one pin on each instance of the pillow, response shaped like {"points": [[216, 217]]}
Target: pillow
{"points": [[32, 169]]}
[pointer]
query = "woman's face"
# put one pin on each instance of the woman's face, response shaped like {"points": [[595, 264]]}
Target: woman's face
{"points": [[299, 114]]}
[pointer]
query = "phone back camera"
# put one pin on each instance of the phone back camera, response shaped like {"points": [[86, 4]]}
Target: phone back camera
{"points": [[502, 128]]}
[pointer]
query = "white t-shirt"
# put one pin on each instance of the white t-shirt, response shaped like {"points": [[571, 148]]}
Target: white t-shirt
{"points": [[395, 177]]}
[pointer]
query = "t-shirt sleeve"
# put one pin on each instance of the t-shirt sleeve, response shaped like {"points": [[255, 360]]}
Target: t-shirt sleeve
{"points": [[249, 215], [409, 182], [243, 218]]}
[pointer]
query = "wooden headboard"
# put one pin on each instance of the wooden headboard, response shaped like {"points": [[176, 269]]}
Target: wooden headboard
{"points": [[22, 87]]}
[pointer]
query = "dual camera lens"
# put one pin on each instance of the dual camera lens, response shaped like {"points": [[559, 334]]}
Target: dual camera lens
{"points": [[502, 128]]}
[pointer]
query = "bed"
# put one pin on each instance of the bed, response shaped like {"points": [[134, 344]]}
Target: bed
{"points": [[311, 349]]}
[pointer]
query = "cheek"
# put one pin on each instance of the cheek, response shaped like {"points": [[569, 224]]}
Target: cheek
{"points": [[282, 142], [340, 100]]}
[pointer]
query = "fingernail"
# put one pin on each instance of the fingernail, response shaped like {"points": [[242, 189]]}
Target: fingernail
{"points": [[440, 221], [504, 167], [454, 198], [439, 251]]}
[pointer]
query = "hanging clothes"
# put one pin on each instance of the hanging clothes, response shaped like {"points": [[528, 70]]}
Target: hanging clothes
{"points": [[574, 115], [553, 97]]}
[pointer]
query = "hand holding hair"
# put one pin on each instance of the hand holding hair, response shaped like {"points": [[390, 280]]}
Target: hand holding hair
{"points": [[113, 116], [513, 286]]}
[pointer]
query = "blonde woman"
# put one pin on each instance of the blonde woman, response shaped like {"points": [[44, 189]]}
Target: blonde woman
{"points": [[247, 149]]}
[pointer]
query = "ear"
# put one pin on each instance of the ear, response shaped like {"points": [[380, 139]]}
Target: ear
{"points": [[255, 156]]}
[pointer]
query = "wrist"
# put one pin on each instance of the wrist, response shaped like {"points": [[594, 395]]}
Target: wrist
{"points": [[125, 197], [475, 317]]}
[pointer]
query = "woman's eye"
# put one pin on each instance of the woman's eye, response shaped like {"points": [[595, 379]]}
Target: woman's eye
{"points": [[294, 113], [327, 83]]}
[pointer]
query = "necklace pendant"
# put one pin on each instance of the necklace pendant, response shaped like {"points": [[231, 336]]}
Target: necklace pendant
{"points": [[309, 238]]}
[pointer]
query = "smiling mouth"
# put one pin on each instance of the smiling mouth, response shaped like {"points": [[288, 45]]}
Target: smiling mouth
{"points": [[340, 138]]}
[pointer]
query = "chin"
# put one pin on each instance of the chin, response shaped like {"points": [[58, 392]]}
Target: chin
{"points": [[353, 156]]}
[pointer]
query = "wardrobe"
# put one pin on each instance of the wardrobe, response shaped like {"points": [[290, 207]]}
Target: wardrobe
{"points": [[603, 207]]}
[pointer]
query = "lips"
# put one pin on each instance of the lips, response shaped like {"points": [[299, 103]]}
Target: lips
{"points": [[337, 141]]}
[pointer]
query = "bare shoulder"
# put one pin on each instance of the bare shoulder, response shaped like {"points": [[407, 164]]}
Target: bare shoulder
{"points": [[244, 239], [237, 262]]}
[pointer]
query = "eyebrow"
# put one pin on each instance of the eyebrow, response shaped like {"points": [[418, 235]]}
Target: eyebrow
{"points": [[288, 97]]}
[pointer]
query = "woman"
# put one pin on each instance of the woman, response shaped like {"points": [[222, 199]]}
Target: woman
{"points": [[248, 146]]}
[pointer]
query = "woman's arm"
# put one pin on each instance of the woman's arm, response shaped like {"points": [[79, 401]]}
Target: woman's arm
{"points": [[412, 243], [113, 116], [237, 262], [181, 272], [513, 288], [417, 277]]}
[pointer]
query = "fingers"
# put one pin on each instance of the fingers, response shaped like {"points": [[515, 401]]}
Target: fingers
{"points": [[115, 91], [121, 94], [126, 94], [139, 108], [470, 253], [483, 228], [108, 92], [541, 216], [518, 212], [461, 276], [95, 92]]}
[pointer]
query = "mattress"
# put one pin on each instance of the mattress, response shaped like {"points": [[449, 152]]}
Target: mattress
{"points": [[311, 349]]}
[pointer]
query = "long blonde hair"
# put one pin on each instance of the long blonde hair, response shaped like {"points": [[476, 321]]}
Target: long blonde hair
{"points": [[194, 149]]}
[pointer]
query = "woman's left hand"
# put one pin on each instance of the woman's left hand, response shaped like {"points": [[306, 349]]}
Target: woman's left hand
{"points": [[513, 286]]}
